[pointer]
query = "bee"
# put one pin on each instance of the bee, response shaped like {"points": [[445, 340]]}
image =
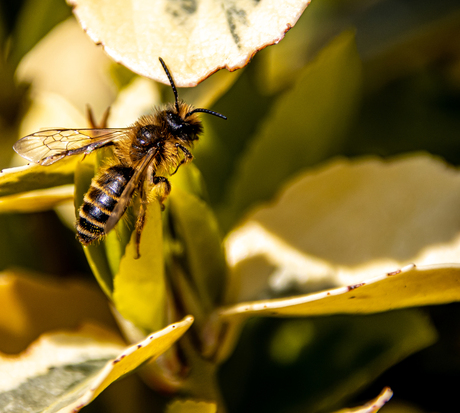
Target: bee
{"points": [[152, 147]]}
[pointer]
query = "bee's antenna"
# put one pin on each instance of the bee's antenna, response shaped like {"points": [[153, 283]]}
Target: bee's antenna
{"points": [[170, 81], [211, 112]]}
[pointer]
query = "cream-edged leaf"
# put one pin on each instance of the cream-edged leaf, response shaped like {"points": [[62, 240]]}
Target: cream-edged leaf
{"points": [[64, 371], [411, 286], [39, 200], [372, 406], [346, 221], [195, 38], [33, 177], [55, 369]]}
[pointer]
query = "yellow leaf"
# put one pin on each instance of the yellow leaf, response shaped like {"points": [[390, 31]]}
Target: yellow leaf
{"points": [[149, 349], [194, 38], [39, 200], [139, 286], [411, 286], [33, 177]]}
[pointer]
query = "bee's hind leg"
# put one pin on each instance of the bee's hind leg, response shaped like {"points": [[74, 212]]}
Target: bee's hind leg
{"points": [[163, 189], [140, 222]]}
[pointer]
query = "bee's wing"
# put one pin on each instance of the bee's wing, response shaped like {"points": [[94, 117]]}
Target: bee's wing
{"points": [[128, 192], [49, 146]]}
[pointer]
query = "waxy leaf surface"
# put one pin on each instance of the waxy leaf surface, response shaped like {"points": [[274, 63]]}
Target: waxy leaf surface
{"points": [[195, 38], [64, 371]]}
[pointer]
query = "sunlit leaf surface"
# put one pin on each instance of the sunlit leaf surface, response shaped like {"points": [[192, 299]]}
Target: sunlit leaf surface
{"points": [[195, 38], [346, 221], [411, 286], [139, 286], [64, 371], [32, 177], [39, 200]]}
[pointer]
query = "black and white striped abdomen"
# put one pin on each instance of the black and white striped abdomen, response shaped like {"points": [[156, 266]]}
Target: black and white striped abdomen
{"points": [[100, 201]]}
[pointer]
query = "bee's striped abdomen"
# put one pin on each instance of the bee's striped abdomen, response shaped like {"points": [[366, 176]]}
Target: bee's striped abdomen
{"points": [[100, 201]]}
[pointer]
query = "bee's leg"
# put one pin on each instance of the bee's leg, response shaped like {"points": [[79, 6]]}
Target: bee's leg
{"points": [[163, 190], [188, 156], [140, 221]]}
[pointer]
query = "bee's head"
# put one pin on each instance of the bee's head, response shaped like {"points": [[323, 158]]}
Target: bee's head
{"points": [[186, 125]]}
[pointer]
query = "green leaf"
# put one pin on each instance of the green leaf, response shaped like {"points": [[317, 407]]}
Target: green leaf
{"points": [[139, 286], [196, 227], [210, 90], [305, 126], [116, 241], [338, 357]]}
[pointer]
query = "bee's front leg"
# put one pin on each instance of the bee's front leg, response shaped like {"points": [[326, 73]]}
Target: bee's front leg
{"points": [[187, 156]]}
